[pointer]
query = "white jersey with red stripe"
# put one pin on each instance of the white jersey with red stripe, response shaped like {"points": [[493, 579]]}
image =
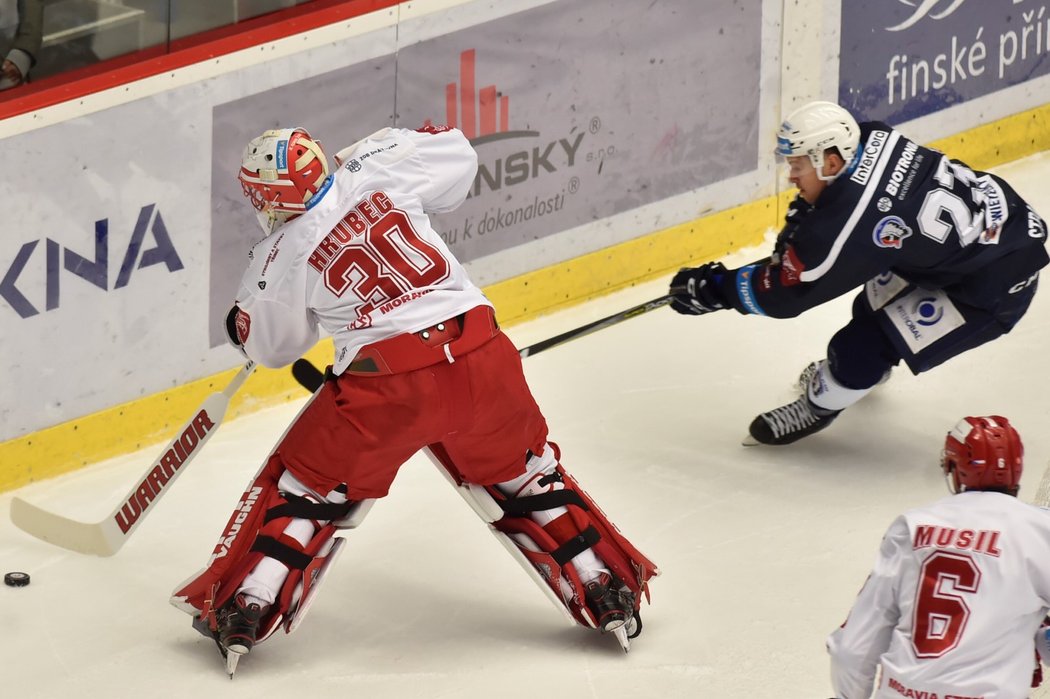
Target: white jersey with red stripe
{"points": [[952, 605], [363, 263]]}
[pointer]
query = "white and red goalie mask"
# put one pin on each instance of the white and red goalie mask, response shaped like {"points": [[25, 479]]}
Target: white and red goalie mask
{"points": [[982, 453], [283, 173]]}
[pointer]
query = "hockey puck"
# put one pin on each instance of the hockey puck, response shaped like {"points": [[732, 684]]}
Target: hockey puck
{"points": [[16, 579]]}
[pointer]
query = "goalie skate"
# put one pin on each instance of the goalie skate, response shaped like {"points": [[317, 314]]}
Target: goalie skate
{"points": [[611, 607]]}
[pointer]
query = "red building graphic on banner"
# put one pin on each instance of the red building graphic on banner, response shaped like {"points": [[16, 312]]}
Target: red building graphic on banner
{"points": [[477, 114], [481, 114]]}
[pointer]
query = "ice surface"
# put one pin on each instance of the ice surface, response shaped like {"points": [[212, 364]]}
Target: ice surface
{"points": [[761, 549]]}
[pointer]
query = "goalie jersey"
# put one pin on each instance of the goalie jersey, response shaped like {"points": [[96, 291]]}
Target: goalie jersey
{"points": [[364, 263]]}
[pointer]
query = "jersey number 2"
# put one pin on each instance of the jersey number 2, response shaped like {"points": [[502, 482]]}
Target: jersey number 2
{"points": [[941, 612]]}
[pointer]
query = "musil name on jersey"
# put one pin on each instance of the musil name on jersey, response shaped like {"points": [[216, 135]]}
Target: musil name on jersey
{"points": [[869, 155], [978, 540]]}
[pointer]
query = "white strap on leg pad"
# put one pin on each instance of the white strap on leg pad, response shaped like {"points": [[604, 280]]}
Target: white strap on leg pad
{"points": [[303, 593], [827, 393], [523, 548]]}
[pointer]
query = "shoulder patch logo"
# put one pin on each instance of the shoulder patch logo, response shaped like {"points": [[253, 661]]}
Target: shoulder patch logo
{"points": [[354, 165], [890, 232], [244, 326], [791, 267], [262, 285]]}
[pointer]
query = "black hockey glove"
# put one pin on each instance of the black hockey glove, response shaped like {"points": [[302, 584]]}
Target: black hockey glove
{"points": [[696, 289]]}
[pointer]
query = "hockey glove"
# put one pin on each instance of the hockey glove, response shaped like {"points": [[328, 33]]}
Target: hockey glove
{"points": [[696, 289]]}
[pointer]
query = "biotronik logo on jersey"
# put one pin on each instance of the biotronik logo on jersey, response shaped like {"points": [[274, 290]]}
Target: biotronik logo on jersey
{"points": [[20, 286], [483, 115]]}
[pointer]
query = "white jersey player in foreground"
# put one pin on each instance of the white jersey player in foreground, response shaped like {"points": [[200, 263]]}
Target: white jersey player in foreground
{"points": [[420, 363], [959, 588]]}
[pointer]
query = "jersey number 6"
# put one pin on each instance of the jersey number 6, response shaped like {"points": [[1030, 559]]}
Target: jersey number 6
{"points": [[941, 612]]}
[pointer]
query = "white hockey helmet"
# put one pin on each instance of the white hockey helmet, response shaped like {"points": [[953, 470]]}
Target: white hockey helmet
{"points": [[814, 128], [282, 171]]}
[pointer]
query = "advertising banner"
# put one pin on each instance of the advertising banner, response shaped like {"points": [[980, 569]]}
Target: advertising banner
{"points": [[101, 262], [578, 109], [902, 60]]}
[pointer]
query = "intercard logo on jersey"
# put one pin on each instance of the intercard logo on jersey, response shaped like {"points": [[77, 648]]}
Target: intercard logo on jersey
{"points": [[869, 155], [890, 232]]}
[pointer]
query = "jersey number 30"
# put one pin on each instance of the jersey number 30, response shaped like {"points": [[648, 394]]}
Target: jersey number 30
{"points": [[393, 261], [941, 611]]}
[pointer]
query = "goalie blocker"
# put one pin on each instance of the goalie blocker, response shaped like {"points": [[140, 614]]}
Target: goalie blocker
{"points": [[268, 526]]}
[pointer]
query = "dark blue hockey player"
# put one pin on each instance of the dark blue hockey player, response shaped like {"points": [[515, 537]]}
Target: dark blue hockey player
{"points": [[948, 258]]}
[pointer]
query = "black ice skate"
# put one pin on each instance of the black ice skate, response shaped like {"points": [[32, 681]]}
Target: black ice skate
{"points": [[613, 607], [237, 626], [789, 423]]}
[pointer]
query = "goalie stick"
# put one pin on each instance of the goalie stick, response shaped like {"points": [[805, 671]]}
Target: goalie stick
{"points": [[104, 538], [311, 378]]}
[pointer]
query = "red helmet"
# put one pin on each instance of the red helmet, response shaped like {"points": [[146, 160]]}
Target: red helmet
{"points": [[282, 172], [983, 453]]}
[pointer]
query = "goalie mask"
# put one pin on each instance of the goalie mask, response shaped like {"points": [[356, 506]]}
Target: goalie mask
{"points": [[813, 129], [983, 453], [283, 173]]}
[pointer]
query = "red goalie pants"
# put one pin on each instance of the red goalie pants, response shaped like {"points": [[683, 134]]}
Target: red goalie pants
{"points": [[358, 430]]}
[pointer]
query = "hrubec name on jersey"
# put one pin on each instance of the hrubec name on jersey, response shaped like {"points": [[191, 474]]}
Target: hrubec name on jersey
{"points": [[244, 508], [356, 223], [162, 472], [978, 540]]}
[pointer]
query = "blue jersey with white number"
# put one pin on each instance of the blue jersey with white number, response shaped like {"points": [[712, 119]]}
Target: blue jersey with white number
{"points": [[902, 208]]}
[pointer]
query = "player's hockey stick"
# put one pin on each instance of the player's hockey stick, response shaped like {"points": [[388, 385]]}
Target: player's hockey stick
{"points": [[105, 538], [597, 325], [311, 378]]}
